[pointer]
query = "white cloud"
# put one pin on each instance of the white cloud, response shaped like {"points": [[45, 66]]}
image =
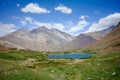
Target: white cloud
{"points": [[63, 9], [25, 21], [59, 26], [104, 23], [18, 5], [79, 26], [28, 19], [69, 27], [34, 8], [83, 17], [6, 28], [31, 21]]}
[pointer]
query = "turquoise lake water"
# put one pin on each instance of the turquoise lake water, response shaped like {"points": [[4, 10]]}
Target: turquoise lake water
{"points": [[73, 55]]}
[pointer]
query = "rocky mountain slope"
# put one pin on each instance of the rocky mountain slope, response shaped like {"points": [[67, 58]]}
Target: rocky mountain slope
{"points": [[100, 34], [40, 39], [79, 42], [9, 45], [44, 39], [111, 42]]}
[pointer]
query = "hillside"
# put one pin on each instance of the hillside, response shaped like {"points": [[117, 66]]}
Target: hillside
{"points": [[99, 34], [110, 43], [40, 39], [44, 39], [33, 65], [50, 40], [79, 42]]}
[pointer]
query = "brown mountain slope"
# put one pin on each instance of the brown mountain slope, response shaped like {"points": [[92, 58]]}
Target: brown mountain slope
{"points": [[110, 42], [79, 42], [3, 48], [43, 39], [40, 39], [9, 45], [99, 34]]}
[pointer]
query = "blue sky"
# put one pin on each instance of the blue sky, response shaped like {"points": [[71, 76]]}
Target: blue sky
{"points": [[71, 16]]}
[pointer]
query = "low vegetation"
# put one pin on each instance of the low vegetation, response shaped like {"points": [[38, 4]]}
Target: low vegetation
{"points": [[33, 65]]}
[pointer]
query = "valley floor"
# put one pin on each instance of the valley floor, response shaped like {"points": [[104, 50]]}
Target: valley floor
{"points": [[32, 65]]}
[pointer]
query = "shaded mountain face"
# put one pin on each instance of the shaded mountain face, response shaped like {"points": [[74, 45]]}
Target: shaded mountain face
{"points": [[111, 42], [100, 34], [79, 42], [40, 39]]}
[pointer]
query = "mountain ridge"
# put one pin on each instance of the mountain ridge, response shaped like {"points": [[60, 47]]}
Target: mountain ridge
{"points": [[50, 40], [41, 39], [79, 42], [100, 34], [109, 43]]}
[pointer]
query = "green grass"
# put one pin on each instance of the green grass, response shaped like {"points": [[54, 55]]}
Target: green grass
{"points": [[21, 55], [33, 65], [102, 67], [27, 74]]}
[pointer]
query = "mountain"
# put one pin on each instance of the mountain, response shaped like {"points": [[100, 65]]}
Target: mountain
{"points": [[110, 43], [40, 39], [79, 42], [86, 39], [44, 39], [100, 34], [9, 45]]}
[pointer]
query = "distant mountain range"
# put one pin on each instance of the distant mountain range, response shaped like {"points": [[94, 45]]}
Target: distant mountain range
{"points": [[110, 42], [79, 42], [41, 39], [44, 39], [100, 34]]}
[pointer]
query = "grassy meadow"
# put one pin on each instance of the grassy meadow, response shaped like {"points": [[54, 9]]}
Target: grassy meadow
{"points": [[33, 65]]}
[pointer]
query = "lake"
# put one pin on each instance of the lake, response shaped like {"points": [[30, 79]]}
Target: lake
{"points": [[73, 55]]}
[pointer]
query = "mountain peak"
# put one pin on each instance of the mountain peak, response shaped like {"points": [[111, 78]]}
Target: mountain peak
{"points": [[43, 27], [41, 39], [40, 29], [20, 31]]}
